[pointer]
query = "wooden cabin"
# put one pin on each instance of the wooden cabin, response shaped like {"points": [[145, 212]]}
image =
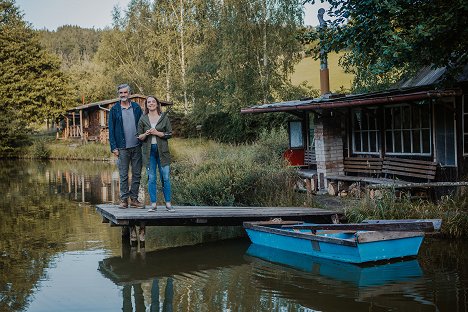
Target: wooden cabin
{"points": [[89, 122], [415, 132]]}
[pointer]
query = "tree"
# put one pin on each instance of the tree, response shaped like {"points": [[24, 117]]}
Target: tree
{"points": [[383, 40], [210, 57], [32, 87], [246, 53]]}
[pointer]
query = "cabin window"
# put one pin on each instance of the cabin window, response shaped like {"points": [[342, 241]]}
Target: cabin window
{"points": [[365, 131], [465, 126], [408, 130], [445, 133], [296, 138]]}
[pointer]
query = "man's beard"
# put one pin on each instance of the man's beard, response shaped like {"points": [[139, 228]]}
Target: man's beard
{"points": [[123, 98]]}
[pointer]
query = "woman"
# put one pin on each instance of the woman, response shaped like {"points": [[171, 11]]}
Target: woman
{"points": [[154, 129]]}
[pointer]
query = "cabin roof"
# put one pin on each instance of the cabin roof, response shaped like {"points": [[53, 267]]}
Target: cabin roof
{"points": [[330, 101], [418, 87], [114, 100]]}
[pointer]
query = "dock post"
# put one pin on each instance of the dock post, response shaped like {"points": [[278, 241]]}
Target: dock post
{"points": [[125, 233], [142, 234], [133, 236]]}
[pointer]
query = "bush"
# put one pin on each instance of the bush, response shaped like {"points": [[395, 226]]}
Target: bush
{"points": [[239, 175], [453, 210], [40, 150]]}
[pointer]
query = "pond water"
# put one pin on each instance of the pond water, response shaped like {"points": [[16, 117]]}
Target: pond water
{"points": [[57, 255]]}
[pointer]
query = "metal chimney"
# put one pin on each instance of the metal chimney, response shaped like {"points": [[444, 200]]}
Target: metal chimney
{"points": [[324, 74]]}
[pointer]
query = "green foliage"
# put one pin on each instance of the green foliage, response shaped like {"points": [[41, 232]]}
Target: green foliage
{"points": [[383, 40], [219, 174], [30, 80], [32, 87], [452, 210], [14, 133], [76, 47], [72, 44], [210, 57], [40, 150]]}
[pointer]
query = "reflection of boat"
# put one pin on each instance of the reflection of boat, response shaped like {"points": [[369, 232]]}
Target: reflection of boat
{"points": [[328, 285], [137, 267], [354, 243], [362, 276]]}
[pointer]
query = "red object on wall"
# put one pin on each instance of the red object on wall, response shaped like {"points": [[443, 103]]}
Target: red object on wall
{"points": [[295, 157]]}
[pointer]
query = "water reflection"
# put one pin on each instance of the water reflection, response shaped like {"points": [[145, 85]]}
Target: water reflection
{"points": [[316, 282], [142, 266], [86, 182], [52, 242]]}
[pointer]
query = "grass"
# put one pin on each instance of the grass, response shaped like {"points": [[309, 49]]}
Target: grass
{"points": [[308, 70], [453, 210], [68, 150], [209, 173]]}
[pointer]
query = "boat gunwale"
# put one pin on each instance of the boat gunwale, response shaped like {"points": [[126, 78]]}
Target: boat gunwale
{"points": [[306, 236]]}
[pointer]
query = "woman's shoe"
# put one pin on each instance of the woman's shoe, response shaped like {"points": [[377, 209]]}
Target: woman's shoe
{"points": [[169, 208], [153, 208]]}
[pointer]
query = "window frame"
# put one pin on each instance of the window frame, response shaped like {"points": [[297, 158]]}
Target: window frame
{"points": [[301, 123], [368, 131], [411, 129], [464, 119]]}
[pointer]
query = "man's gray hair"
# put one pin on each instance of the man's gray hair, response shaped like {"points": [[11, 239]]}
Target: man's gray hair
{"points": [[123, 86]]}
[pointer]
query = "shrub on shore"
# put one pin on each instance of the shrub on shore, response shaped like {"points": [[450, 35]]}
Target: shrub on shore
{"points": [[208, 173]]}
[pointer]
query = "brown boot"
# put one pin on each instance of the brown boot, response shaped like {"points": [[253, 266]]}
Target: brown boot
{"points": [[123, 203], [136, 204]]}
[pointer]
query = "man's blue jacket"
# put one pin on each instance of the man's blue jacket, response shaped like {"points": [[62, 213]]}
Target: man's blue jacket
{"points": [[116, 131]]}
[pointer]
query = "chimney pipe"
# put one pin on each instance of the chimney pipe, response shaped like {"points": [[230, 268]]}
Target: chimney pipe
{"points": [[324, 74]]}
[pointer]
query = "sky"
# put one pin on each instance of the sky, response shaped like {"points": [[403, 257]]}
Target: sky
{"points": [[51, 14]]}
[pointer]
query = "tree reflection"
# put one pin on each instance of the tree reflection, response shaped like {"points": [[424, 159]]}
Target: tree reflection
{"points": [[36, 218]]}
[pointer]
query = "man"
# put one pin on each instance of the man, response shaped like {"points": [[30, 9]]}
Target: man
{"points": [[124, 144]]}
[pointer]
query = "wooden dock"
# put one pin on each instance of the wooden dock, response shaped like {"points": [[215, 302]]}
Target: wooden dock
{"points": [[208, 215]]}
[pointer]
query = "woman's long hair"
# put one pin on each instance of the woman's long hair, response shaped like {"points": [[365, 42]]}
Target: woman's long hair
{"points": [[158, 104]]}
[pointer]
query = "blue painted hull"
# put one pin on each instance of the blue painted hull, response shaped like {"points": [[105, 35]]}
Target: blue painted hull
{"points": [[361, 252]]}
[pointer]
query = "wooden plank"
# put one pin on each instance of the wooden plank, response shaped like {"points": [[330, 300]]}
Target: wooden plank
{"points": [[359, 166], [416, 226], [410, 174], [437, 223], [367, 237], [409, 161], [363, 170], [402, 184], [409, 166], [406, 169]]}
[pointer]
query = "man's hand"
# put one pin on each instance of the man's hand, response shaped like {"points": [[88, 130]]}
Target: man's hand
{"points": [[116, 152]]}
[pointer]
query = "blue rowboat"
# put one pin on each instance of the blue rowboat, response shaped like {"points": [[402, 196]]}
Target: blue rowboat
{"points": [[353, 243]]}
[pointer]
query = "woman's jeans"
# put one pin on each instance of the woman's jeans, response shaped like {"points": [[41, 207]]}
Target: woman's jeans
{"points": [[154, 163]]}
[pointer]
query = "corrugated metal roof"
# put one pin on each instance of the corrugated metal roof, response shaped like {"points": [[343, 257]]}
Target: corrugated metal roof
{"points": [[425, 77], [376, 98], [418, 86]]}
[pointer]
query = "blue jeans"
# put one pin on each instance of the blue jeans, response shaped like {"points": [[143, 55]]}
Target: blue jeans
{"points": [[154, 163]]}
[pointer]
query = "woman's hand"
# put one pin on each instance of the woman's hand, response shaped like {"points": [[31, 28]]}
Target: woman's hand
{"points": [[155, 132]]}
